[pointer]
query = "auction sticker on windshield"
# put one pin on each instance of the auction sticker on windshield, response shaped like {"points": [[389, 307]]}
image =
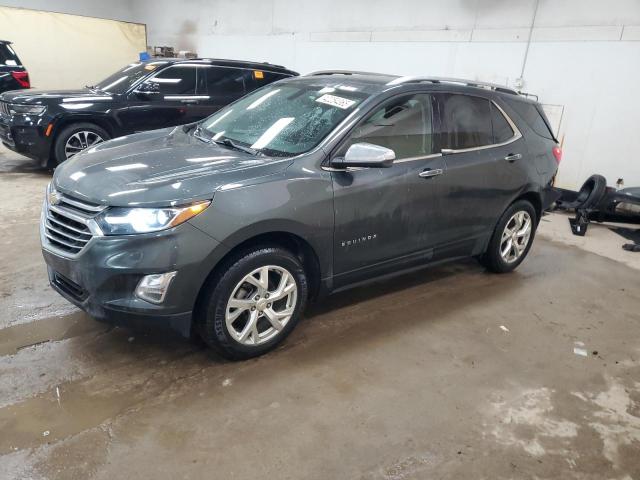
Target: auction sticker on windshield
{"points": [[335, 101]]}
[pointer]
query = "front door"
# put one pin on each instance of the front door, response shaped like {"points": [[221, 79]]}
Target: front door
{"points": [[167, 99], [386, 216]]}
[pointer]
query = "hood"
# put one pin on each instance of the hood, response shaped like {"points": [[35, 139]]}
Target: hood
{"points": [[43, 97], [159, 168]]}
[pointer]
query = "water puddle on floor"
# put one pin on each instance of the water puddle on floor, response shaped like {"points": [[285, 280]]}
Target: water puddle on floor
{"points": [[24, 335], [49, 417]]}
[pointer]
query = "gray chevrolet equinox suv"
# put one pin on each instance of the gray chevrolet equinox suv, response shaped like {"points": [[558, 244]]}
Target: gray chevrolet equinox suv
{"points": [[226, 227]]}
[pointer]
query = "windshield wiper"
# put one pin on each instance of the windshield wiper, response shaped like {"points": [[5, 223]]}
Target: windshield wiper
{"points": [[93, 88], [227, 142]]}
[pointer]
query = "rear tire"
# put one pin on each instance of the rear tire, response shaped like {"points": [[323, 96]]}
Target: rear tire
{"points": [[76, 137], [253, 302], [512, 238]]}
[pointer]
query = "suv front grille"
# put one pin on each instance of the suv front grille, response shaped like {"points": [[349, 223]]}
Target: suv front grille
{"points": [[4, 109], [66, 224]]}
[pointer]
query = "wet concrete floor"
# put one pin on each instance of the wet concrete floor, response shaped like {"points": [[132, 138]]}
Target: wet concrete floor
{"points": [[446, 373]]}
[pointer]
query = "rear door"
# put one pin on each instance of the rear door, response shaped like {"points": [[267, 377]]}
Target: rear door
{"points": [[486, 167], [170, 99], [387, 216], [223, 85]]}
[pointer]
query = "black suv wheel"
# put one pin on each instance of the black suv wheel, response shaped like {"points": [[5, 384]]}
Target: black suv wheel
{"points": [[253, 303], [512, 238], [75, 138]]}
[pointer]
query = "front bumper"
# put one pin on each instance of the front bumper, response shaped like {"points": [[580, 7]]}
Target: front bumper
{"points": [[102, 278], [25, 135]]}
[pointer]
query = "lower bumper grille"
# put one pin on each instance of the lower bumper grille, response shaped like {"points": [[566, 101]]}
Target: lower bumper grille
{"points": [[69, 287]]}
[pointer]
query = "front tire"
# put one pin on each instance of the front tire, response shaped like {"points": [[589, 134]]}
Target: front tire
{"points": [[253, 302], [75, 138], [512, 238]]}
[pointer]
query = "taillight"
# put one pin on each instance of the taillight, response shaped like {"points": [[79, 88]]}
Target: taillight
{"points": [[22, 78], [557, 152]]}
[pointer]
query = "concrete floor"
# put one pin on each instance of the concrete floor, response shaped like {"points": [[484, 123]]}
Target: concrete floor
{"points": [[448, 373]]}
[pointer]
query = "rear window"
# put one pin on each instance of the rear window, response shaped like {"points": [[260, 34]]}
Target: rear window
{"points": [[533, 117], [8, 56]]}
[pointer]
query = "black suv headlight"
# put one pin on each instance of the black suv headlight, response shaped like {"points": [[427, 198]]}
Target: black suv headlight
{"points": [[128, 221], [16, 109]]}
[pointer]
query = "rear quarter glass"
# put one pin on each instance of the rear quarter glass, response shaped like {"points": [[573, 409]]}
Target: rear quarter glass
{"points": [[8, 56], [534, 117], [538, 136]]}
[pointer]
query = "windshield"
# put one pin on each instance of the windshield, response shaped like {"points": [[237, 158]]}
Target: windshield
{"points": [[123, 79], [283, 120]]}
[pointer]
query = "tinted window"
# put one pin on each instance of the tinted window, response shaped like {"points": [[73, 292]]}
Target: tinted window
{"points": [[226, 81], [533, 117], [120, 81], [283, 120], [502, 131], [466, 121], [403, 125], [260, 78], [177, 80], [8, 55]]}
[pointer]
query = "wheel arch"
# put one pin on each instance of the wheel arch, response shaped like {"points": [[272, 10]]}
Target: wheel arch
{"points": [[292, 242], [67, 120]]}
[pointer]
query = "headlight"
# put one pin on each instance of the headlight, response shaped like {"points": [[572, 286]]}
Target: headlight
{"points": [[127, 221], [16, 109]]}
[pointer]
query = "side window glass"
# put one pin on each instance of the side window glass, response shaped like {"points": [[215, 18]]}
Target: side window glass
{"points": [[177, 80], [502, 131], [226, 82], [403, 125], [466, 121]]}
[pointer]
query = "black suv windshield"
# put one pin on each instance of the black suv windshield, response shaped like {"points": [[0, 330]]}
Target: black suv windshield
{"points": [[123, 79], [7, 56], [284, 119]]}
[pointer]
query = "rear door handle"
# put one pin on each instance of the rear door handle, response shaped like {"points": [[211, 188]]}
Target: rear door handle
{"points": [[189, 101], [512, 157], [431, 172]]}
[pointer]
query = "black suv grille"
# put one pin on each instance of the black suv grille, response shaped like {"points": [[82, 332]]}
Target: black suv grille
{"points": [[4, 109], [66, 223]]}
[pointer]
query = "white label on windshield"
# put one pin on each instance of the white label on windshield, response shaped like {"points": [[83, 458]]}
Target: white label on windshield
{"points": [[335, 101]]}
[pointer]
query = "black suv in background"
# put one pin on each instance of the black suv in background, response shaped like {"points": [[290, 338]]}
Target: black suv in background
{"points": [[310, 185], [13, 76], [52, 126]]}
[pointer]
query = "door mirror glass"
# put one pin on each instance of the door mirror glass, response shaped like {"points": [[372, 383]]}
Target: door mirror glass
{"points": [[147, 89], [366, 155]]}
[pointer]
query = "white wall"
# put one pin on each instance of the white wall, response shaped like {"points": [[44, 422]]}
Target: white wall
{"points": [[584, 54]]}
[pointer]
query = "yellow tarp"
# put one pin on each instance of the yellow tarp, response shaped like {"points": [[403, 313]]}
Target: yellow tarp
{"points": [[70, 51]]}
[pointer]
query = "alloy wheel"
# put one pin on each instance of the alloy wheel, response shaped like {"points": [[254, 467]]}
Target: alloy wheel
{"points": [[79, 141], [515, 236], [261, 305]]}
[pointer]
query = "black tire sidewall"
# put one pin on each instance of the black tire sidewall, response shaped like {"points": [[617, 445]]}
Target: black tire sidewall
{"points": [[68, 131], [493, 260], [214, 329]]}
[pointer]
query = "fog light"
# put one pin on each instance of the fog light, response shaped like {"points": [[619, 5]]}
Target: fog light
{"points": [[153, 288]]}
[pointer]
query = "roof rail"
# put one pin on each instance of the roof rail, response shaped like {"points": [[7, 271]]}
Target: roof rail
{"points": [[345, 72], [469, 83]]}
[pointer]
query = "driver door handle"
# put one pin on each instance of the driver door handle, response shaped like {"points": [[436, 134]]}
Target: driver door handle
{"points": [[512, 157], [189, 100], [431, 172]]}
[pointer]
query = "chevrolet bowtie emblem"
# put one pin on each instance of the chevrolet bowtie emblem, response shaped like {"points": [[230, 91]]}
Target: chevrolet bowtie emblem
{"points": [[54, 198]]}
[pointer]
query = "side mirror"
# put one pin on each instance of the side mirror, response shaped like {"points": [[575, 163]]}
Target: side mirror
{"points": [[366, 155], [147, 89]]}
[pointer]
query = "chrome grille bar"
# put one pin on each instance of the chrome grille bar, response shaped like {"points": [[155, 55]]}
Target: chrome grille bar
{"points": [[68, 226]]}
